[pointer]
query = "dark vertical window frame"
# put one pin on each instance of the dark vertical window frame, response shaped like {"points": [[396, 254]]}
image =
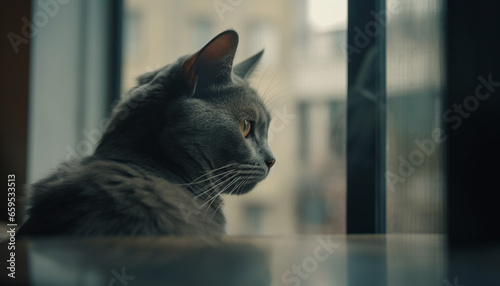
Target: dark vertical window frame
{"points": [[14, 94], [472, 147], [366, 139], [366, 120], [116, 49], [82, 89], [14, 90]]}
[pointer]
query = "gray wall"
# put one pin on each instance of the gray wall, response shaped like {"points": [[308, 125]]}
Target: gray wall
{"points": [[69, 81]]}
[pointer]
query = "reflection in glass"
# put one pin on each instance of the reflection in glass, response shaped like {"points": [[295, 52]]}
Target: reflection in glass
{"points": [[414, 97]]}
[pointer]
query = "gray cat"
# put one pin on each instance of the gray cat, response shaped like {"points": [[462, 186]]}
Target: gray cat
{"points": [[187, 133]]}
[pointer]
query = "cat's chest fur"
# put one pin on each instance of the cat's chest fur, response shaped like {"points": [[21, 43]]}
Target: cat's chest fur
{"points": [[107, 197]]}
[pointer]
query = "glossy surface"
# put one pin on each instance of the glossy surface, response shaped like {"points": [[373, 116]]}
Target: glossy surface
{"points": [[301, 260]]}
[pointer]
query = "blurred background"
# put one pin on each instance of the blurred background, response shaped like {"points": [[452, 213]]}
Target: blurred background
{"points": [[80, 66]]}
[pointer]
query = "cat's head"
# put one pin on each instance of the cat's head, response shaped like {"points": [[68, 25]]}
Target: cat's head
{"points": [[197, 119]]}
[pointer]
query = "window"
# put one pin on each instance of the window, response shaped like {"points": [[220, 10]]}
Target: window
{"points": [[415, 190], [202, 29], [132, 36]]}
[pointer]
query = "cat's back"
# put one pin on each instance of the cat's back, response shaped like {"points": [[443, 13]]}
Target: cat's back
{"points": [[103, 197]]}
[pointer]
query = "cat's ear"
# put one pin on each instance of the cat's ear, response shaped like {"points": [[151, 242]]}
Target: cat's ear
{"points": [[214, 62], [245, 68]]}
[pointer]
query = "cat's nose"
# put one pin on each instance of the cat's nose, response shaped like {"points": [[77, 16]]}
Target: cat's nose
{"points": [[270, 163]]}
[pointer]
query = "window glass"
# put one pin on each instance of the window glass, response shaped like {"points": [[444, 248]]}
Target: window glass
{"points": [[415, 195]]}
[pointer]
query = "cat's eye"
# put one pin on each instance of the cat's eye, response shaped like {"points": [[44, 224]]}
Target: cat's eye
{"points": [[244, 127]]}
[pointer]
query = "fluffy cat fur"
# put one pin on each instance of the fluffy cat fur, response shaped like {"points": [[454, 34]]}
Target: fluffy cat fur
{"points": [[170, 149]]}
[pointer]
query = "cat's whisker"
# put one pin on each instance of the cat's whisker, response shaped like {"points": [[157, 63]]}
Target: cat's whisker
{"points": [[276, 97], [210, 172], [252, 172], [212, 187], [283, 80], [234, 190], [241, 183], [233, 179], [277, 85], [209, 193], [201, 191], [262, 77], [269, 84], [219, 192], [212, 199], [210, 178], [221, 203], [208, 190]]}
